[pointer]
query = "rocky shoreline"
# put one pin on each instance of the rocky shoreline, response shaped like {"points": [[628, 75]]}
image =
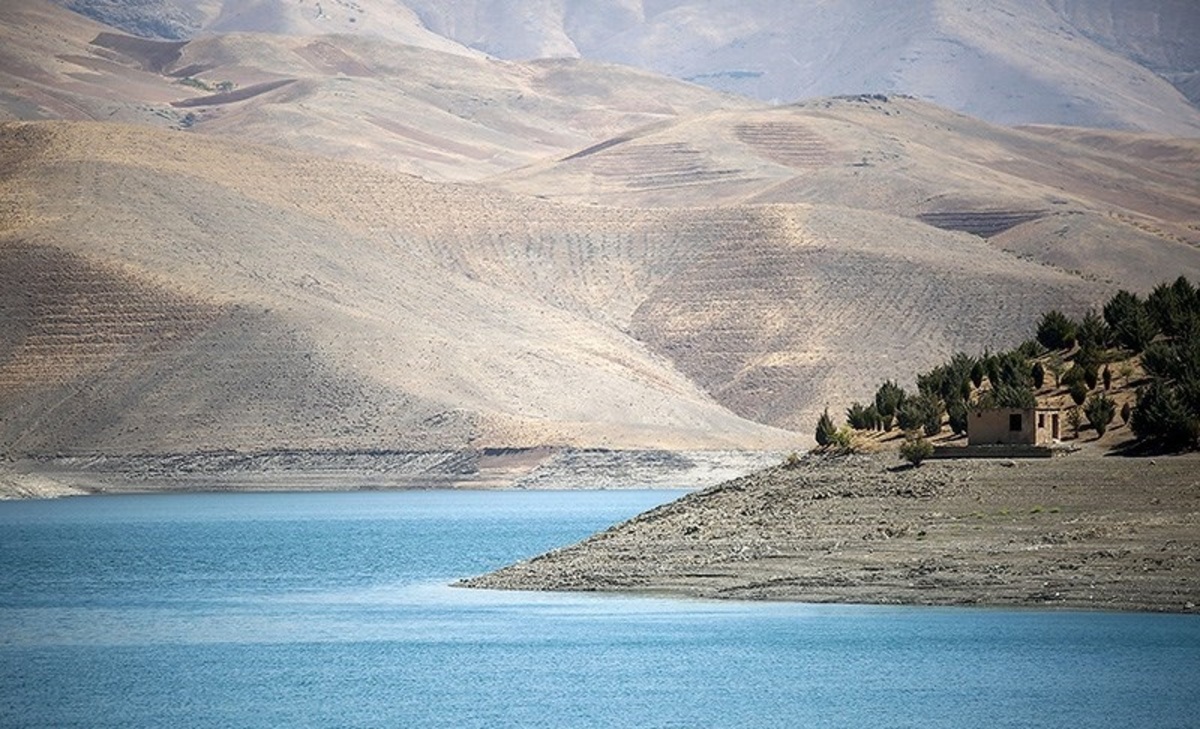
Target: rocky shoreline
{"points": [[1087, 531], [543, 468]]}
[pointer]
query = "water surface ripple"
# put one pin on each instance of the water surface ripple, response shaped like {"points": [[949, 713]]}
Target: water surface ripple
{"points": [[332, 610]]}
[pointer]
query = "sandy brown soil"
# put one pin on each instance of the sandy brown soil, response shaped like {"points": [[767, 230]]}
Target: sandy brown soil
{"points": [[298, 470], [1082, 531]]}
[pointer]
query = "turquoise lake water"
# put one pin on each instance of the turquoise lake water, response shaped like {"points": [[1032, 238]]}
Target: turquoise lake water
{"points": [[332, 610]]}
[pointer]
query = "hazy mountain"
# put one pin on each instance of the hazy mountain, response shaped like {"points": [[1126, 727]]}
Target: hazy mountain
{"points": [[1088, 63], [410, 108], [1094, 63]]}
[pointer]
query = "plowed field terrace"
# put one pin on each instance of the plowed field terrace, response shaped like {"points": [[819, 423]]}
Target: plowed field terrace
{"points": [[983, 223], [791, 144], [646, 166], [64, 316]]}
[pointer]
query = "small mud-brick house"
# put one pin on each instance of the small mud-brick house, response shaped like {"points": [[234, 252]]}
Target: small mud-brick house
{"points": [[1014, 426]]}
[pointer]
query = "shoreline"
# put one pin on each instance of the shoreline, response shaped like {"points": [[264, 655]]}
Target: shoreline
{"points": [[270, 471], [1082, 532]]}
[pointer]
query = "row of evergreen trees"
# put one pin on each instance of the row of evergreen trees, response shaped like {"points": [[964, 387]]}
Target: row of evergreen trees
{"points": [[1168, 410], [1163, 329]]}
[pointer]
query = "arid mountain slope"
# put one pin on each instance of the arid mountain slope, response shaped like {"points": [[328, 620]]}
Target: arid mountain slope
{"points": [[169, 292], [1158, 35], [1083, 62], [161, 304], [181, 20], [636, 262], [363, 97], [1113, 207], [1093, 63]]}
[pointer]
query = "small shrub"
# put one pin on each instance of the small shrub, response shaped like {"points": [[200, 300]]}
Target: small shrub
{"points": [[1039, 375], [1106, 375], [793, 460], [1073, 375], [1089, 379], [874, 422], [1126, 411], [843, 440], [933, 424], [916, 450]]}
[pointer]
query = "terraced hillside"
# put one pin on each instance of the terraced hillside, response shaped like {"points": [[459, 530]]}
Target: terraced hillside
{"points": [[321, 304], [220, 250], [1112, 206]]}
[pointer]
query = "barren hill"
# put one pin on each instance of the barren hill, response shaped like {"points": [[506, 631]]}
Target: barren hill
{"points": [[1079, 62], [167, 292], [164, 292], [1112, 207], [421, 110], [1094, 63], [219, 249]]}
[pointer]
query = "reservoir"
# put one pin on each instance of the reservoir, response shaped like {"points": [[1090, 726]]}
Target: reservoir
{"points": [[334, 610]]}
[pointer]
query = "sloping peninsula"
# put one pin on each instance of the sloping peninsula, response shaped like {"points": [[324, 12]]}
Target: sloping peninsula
{"points": [[1087, 531]]}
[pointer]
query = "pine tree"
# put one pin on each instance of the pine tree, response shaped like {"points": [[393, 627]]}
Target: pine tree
{"points": [[1056, 330], [1079, 391], [1100, 411], [825, 429], [977, 374]]}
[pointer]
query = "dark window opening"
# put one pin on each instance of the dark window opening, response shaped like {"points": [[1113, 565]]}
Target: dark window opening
{"points": [[1041, 420], [1014, 422]]}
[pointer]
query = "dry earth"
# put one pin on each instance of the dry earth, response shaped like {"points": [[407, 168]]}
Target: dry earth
{"points": [[166, 292], [1082, 531], [308, 470], [668, 268], [1081, 62], [440, 112]]}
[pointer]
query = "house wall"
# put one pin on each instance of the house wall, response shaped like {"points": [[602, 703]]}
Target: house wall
{"points": [[994, 427], [1049, 426]]}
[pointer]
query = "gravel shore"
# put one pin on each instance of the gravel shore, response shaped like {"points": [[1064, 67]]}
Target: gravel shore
{"points": [[1085, 531]]}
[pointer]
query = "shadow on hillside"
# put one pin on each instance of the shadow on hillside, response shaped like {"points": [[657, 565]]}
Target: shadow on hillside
{"points": [[1144, 449]]}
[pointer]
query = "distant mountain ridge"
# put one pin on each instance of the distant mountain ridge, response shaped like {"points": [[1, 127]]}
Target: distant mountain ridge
{"points": [[1096, 63]]}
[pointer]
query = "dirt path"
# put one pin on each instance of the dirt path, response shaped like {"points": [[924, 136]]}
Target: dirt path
{"points": [[1083, 531]]}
